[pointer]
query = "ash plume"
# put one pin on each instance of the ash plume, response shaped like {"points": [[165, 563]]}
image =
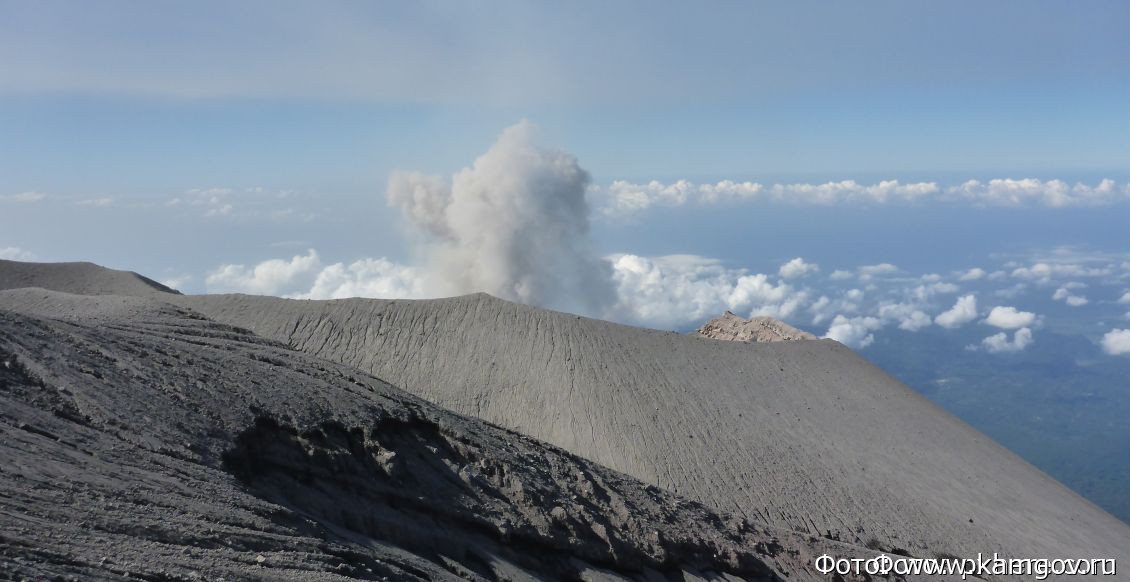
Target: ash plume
{"points": [[514, 224]]}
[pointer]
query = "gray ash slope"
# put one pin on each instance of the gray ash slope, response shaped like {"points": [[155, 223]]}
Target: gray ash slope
{"points": [[140, 439], [79, 278], [804, 435], [800, 435]]}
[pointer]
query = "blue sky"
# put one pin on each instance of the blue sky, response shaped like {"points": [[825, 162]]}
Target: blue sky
{"points": [[197, 142], [206, 92]]}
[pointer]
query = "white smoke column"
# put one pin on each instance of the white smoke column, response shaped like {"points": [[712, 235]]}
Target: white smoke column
{"points": [[515, 224]]}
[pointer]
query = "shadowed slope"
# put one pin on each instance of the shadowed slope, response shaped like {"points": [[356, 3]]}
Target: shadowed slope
{"points": [[139, 439], [805, 435]]}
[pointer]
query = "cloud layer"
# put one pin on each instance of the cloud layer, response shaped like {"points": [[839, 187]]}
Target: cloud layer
{"points": [[623, 197]]}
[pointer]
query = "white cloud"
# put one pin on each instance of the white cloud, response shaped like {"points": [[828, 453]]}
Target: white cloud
{"points": [[23, 197], [15, 254], [797, 268], [1076, 300], [840, 275], [379, 278], [1010, 318], [925, 292], [1000, 343], [851, 191], [304, 277], [676, 290], [1063, 294], [1052, 193], [867, 272], [1044, 271], [962, 312], [271, 277], [973, 274], [854, 331], [728, 190], [819, 309], [1125, 299], [908, 317], [1116, 342], [623, 197]]}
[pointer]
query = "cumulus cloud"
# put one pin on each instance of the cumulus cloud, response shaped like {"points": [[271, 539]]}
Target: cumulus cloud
{"points": [[840, 275], [367, 278], [797, 268], [1116, 342], [925, 292], [1064, 294], [1010, 318], [15, 254], [1125, 299], [682, 289], [1000, 343], [514, 224], [974, 274], [962, 312], [867, 272], [306, 277], [271, 277], [853, 332], [909, 317], [1053, 193]]}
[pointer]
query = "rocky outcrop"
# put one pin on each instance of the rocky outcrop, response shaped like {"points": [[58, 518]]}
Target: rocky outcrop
{"points": [[730, 327]]}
